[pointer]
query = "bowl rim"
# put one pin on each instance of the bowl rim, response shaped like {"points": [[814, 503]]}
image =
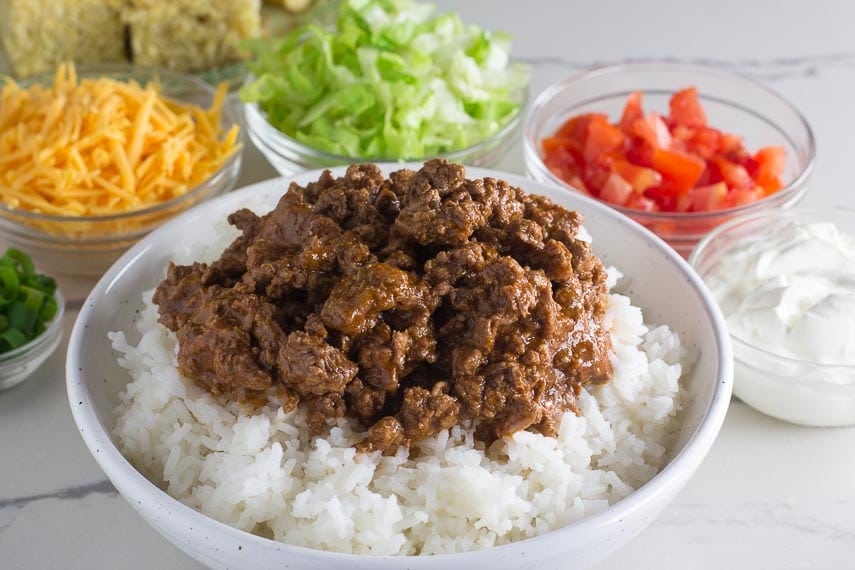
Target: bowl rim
{"points": [[257, 123], [664, 484], [769, 215], [150, 74], [787, 195]]}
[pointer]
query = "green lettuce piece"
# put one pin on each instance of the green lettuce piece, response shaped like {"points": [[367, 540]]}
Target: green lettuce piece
{"points": [[391, 80]]}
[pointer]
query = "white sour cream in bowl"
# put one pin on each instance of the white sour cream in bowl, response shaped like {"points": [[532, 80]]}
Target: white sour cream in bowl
{"points": [[786, 284]]}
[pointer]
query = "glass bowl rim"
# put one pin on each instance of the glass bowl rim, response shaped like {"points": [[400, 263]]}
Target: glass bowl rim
{"points": [[707, 241], [148, 74], [788, 192]]}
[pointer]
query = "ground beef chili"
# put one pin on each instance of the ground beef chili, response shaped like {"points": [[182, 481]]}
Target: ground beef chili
{"points": [[408, 303]]}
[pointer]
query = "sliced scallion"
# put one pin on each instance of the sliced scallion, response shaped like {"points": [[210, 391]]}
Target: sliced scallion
{"points": [[27, 301]]}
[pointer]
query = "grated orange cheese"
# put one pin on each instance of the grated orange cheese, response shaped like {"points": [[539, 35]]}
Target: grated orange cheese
{"points": [[100, 146]]}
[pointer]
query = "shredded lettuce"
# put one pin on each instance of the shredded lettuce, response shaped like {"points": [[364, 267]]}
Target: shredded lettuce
{"points": [[391, 80]]}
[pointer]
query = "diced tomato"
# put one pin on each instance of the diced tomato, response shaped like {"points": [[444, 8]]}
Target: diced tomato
{"points": [[704, 142], [577, 183], [616, 190], [747, 161], [728, 143], [734, 174], [602, 138], [674, 163], [680, 169], [770, 168], [631, 112], [640, 152], [664, 196], [771, 158], [643, 203], [710, 197], [639, 177], [559, 172], [653, 130], [743, 196], [681, 134], [594, 175], [575, 130], [561, 161], [686, 109], [684, 203], [551, 144]]}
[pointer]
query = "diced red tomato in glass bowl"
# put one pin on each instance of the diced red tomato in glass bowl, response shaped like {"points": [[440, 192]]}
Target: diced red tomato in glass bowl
{"points": [[671, 157], [662, 163]]}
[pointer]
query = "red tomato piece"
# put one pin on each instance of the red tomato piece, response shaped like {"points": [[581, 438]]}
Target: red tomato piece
{"points": [[640, 152], [643, 203], [680, 169], [728, 143], [743, 196], [639, 177], [616, 190], [734, 174], [594, 175], [577, 183], [631, 112], [575, 130], [686, 109], [602, 138], [704, 142], [561, 162], [770, 168], [710, 197], [772, 159], [684, 203], [664, 196], [551, 144], [653, 130]]}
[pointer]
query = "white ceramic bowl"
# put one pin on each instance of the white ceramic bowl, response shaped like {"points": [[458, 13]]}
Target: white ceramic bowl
{"points": [[656, 278]]}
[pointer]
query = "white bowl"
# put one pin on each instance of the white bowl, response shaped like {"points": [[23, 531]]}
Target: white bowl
{"points": [[657, 279]]}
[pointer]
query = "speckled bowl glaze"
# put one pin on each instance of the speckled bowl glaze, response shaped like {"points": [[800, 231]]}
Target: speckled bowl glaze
{"points": [[656, 278]]}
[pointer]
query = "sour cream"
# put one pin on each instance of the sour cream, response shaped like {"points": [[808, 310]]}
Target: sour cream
{"points": [[792, 293], [789, 301]]}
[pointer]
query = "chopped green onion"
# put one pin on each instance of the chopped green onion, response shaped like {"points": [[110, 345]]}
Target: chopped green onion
{"points": [[22, 317], [23, 261], [11, 339], [48, 310], [8, 285], [27, 301]]}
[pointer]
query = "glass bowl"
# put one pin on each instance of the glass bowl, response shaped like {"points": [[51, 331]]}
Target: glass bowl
{"points": [[733, 103], [290, 156], [790, 389], [19, 364], [88, 245]]}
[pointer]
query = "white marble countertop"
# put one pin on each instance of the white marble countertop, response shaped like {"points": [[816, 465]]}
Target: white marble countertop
{"points": [[769, 495]]}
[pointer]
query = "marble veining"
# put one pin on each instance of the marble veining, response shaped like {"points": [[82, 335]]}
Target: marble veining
{"points": [[69, 493]]}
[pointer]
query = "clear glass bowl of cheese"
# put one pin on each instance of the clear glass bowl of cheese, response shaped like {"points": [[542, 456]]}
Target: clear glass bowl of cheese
{"points": [[61, 240], [785, 281]]}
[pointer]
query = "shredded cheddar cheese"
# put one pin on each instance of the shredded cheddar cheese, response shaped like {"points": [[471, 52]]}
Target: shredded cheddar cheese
{"points": [[97, 147]]}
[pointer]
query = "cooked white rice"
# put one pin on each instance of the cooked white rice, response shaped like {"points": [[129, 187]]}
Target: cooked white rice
{"points": [[263, 473]]}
